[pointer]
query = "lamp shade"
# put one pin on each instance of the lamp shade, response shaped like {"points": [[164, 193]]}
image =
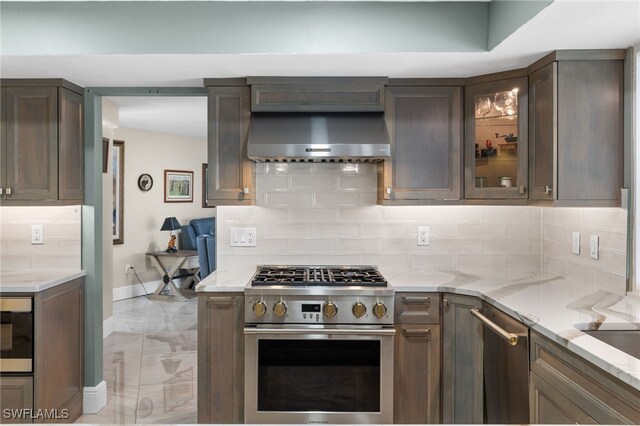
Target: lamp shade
{"points": [[170, 224]]}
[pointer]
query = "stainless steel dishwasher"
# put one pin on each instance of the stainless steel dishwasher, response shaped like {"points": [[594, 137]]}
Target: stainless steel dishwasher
{"points": [[506, 367]]}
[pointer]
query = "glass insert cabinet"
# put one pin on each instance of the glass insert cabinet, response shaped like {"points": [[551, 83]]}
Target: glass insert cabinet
{"points": [[496, 139]]}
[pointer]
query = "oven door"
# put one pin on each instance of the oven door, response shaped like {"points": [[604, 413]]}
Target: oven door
{"points": [[16, 335], [319, 375]]}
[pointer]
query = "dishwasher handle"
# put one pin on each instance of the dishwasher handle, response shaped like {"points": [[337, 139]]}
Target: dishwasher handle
{"points": [[511, 338]]}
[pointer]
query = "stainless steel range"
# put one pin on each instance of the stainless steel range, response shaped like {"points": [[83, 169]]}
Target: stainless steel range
{"points": [[318, 345]]}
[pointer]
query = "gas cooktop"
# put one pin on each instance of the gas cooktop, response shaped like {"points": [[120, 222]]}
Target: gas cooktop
{"points": [[325, 275]]}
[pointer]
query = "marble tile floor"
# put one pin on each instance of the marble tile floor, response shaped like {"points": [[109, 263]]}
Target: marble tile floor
{"points": [[150, 363]]}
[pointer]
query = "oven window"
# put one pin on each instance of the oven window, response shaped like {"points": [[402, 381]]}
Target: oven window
{"points": [[16, 335], [319, 375]]}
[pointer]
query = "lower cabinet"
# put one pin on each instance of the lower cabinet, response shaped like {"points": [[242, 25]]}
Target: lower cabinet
{"points": [[221, 358], [16, 393], [416, 375], [565, 388], [462, 356]]}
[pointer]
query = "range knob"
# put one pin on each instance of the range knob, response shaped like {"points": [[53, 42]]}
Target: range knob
{"points": [[329, 309], [259, 308], [379, 309], [279, 308], [359, 309]]}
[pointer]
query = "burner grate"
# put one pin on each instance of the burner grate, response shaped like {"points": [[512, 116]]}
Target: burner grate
{"points": [[331, 276]]}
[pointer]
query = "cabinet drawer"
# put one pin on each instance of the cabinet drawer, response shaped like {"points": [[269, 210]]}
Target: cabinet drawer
{"points": [[417, 308], [597, 393]]}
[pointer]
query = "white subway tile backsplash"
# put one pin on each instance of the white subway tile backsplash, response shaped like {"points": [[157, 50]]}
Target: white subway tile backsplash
{"points": [[608, 281], [357, 183], [16, 262], [601, 218], [340, 199], [313, 183], [554, 266], [505, 214], [287, 169], [555, 232], [506, 245], [527, 262], [482, 261], [456, 214], [455, 246], [432, 261], [568, 217], [579, 273], [360, 214], [288, 199], [339, 230], [284, 230], [386, 261], [396, 230], [56, 263], [479, 230], [337, 259], [406, 213], [313, 215], [312, 246], [273, 183], [359, 246]]}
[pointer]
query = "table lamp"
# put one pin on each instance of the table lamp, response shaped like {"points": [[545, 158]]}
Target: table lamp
{"points": [[171, 224]]}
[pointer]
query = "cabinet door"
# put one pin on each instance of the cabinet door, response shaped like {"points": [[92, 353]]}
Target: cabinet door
{"points": [[32, 143], [71, 146], [548, 406], [416, 392], [16, 393], [462, 382], [424, 125], [543, 133], [496, 147], [231, 175], [3, 139], [221, 358]]}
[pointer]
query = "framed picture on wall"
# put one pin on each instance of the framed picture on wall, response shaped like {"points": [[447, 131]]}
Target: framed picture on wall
{"points": [[117, 166], [105, 155], [178, 186], [205, 177]]}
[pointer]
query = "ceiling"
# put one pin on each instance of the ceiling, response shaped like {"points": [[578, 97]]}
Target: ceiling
{"points": [[561, 25]]}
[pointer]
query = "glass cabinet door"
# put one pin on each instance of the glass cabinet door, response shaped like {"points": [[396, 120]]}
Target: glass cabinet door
{"points": [[496, 139]]}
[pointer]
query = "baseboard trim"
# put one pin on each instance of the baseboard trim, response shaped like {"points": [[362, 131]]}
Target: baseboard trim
{"points": [[108, 327], [94, 398], [135, 290]]}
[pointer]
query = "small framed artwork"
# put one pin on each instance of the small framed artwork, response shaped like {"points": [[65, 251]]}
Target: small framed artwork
{"points": [[145, 182], [178, 186], [105, 155], [205, 177]]}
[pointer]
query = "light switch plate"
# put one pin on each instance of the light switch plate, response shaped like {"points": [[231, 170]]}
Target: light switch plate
{"points": [[575, 240], [37, 234], [242, 237], [594, 249]]}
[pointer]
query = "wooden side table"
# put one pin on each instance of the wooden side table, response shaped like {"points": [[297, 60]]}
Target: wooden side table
{"points": [[178, 260]]}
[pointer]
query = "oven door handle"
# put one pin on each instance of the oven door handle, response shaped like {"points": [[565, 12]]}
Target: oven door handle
{"points": [[327, 331]]}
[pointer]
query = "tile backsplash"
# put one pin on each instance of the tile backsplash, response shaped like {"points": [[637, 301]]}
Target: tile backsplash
{"points": [[327, 213], [62, 238]]}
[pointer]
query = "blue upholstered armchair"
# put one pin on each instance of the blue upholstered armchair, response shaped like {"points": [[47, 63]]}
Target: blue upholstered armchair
{"points": [[200, 235]]}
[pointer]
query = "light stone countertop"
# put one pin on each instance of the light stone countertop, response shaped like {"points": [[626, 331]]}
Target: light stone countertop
{"points": [[35, 281], [552, 305]]}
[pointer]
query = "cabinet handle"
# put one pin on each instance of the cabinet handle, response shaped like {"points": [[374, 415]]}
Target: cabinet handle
{"points": [[547, 189], [416, 300], [245, 190], [8, 191], [522, 189], [511, 338], [1, 190], [417, 332], [445, 303], [228, 300], [389, 190]]}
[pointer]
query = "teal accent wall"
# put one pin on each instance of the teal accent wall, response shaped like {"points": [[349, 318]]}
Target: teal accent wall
{"points": [[204, 27], [506, 16]]}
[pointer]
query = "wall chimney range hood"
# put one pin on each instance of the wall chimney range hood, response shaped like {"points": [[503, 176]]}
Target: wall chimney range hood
{"points": [[318, 137]]}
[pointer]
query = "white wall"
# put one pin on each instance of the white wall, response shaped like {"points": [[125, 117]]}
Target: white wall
{"points": [[144, 212]]}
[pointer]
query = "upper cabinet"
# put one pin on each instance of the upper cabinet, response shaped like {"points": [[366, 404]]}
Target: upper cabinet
{"points": [[231, 175], [317, 94], [41, 143], [496, 137], [425, 131], [576, 128]]}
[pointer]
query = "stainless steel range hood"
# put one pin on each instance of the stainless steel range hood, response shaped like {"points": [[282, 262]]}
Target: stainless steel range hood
{"points": [[318, 137]]}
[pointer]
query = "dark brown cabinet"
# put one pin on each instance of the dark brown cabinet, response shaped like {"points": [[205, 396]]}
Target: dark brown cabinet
{"points": [[416, 376], [576, 128], [425, 129], [462, 358], [41, 143], [16, 393], [221, 358], [231, 175], [565, 388], [496, 151]]}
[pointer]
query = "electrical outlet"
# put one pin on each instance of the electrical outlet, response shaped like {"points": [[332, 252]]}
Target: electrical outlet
{"points": [[37, 234], [594, 249], [127, 268], [575, 239], [242, 237], [423, 235]]}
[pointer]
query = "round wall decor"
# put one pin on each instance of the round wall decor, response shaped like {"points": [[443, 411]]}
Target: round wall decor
{"points": [[145, 182]]}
